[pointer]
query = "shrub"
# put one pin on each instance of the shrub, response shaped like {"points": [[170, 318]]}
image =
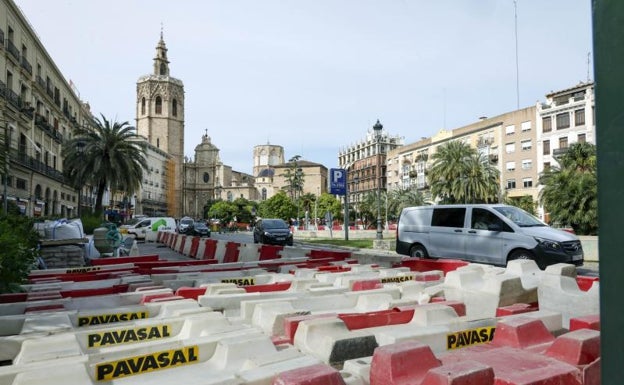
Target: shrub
{"points": [[18, 251], [90, 222]]}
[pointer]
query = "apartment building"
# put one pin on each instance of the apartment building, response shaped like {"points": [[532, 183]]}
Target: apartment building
{"points": [[365, 162], [507, 141], [566, 117], [38, 110]]}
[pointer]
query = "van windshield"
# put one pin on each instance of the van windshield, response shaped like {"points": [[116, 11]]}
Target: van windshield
{"points": [[519, 216]]}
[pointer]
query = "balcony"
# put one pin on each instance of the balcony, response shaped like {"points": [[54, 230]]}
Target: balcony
{"points": [[1, 38], [13, 50], [3, 89], [484, 142], [559, 151], [13, 98], [493, 158], [41, 83], [36, 165], [26, 65]]}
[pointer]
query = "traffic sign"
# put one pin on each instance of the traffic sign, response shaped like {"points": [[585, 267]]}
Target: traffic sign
{"points": [[338, 181]]}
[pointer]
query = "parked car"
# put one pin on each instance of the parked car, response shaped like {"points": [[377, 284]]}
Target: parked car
{"points": [[186, 225], [272, 231], [151, 224], [201, 228], [493, 234]]}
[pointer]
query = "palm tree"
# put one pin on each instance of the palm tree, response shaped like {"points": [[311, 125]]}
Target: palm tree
{"points": [[570, 192], [402, 198], [105, 156], [459, 174]]}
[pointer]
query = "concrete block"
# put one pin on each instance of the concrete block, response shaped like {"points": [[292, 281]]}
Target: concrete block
{"points": [[562, 294], [395, 364]]}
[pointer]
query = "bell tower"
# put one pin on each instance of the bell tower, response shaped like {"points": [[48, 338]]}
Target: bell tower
{"points": [[160, 119]]}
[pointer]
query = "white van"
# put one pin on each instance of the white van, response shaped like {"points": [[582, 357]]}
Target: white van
{"points": [[152, 224], [493, 234]]}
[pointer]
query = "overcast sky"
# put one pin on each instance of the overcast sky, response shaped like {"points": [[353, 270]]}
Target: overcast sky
{"points": [[314, 75]]}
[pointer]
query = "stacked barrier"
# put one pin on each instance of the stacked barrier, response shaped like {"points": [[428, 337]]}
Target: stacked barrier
{"points": [[250, 314]]}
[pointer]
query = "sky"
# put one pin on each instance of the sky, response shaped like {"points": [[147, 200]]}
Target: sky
{"points": [[314, 76]]}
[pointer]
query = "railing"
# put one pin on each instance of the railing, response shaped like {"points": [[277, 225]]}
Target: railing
{"points": [[1, 38], [26, 65], [13, 50], [42, 123], [13, 98], [560, 151], [3, 89], [35, 165], [41, 82]]}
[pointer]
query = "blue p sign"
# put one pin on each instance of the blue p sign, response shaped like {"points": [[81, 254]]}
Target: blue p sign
{"points": [[337, 181]]}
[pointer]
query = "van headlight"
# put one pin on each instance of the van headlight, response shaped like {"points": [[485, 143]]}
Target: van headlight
{"points": [[548, 244]]}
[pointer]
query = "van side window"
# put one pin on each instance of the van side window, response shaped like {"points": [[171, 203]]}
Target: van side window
{"points": [[448, 217], [482, 220]]}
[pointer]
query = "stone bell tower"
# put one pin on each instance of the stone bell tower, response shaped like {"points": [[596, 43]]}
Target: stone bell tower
{"points": [[160, 119]]}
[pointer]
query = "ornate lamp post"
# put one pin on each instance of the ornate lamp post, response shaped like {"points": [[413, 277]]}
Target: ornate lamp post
{"points": [[377, 129]]}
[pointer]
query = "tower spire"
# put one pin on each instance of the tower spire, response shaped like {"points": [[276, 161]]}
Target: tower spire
{"points": [[161, 63]]}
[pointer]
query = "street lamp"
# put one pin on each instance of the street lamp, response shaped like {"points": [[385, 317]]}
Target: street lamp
{"points": [[377, 129]]}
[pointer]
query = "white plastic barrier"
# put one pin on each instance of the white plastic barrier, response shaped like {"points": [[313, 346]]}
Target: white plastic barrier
{"points": [[249, 252]]}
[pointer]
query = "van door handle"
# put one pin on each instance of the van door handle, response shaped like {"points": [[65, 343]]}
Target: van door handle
{"points": [[458, 230], [472, 231]]}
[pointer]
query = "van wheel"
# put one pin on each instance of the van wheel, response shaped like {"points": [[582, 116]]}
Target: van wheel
{"points": [[521, 254], [418, 251]]}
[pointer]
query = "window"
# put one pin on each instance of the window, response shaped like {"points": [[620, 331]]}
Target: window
{"points": [[581, 138], [526, 145], [510, 147], [563, 142], [546, 166], [510, 130], [563, 121], [579, 117], [526, 126], [511, 183], [448, 217], [527, 164], [158, 105], [142, 106], [547, 124], [527, 182], [546, 147], [482, 219], [174, 107], [20, 184], [510, 166]]}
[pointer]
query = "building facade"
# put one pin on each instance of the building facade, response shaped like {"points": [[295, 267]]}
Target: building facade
{"points": [[160, 119], [265, 158], [38, 110], [365, 162]]}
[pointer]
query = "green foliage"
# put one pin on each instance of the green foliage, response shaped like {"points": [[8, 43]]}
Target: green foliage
{"points": [[223, 210], [18, 251], [328, 202], [525, 202], [278, 206], [402, 198], [105, 156], [294, 178], [90, 222], [459, 174], [570, 193]]}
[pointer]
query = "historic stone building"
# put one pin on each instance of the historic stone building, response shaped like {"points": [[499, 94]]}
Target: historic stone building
{"points": [[160, 119], [265, 158]]}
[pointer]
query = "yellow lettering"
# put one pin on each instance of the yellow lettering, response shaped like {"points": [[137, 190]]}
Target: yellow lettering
{"points": [[110, 318], [126, 336], [240, 281], [109, 371], [470, 337]]}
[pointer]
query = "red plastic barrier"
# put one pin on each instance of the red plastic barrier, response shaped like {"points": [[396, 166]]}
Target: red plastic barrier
{"points": [[13, 297], [279, 286], [159, 296], [333, 254], [395, 316], [292, 323], [231, 252], [586, 322], [521, 332], [368, 284], [333, 268], [210, 251], [319, 374], [190, 292], [194, 247], [45, 308], [420, 264], [115, 289], [585, 283], [517, 308], [402, 363], [270, 252], [460, 373], [119, 260], [182, 243]]}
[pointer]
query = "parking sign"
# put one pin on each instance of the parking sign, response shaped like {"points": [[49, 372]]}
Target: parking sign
{"points": [[337, 181]]}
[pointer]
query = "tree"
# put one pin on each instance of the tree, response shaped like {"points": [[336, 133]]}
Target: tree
{"points": [[328, 202], [459, 174], [18, 250], [105, 156], [570, 192], [525, 202], [402, 198], [294, 178], [223, 210], [278, 206]]}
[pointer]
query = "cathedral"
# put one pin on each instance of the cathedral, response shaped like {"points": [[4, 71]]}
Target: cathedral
{"points": [[176, 185]]}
